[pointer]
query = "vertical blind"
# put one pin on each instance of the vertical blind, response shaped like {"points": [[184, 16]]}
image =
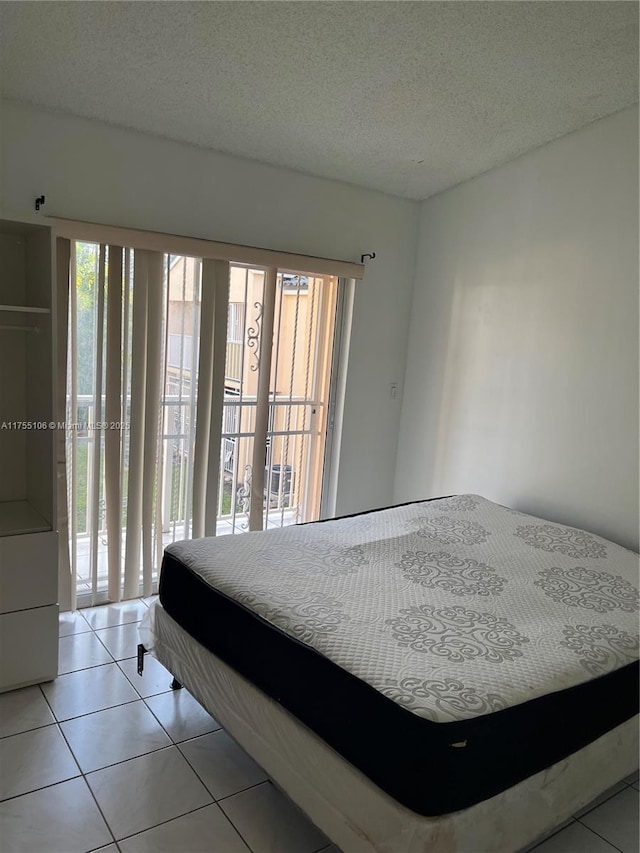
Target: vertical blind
{"points": [[132, 410]]}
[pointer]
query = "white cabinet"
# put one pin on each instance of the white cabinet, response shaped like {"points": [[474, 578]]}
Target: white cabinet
{"points": [[28, 539], [29, 643]]}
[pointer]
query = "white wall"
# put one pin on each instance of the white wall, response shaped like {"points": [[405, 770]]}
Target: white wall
{"points": [[97, 172], [522, 365]]}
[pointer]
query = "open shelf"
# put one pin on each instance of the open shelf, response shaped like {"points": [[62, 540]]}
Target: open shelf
{"points": [[19, 517], [25, 309], [28, 540]]}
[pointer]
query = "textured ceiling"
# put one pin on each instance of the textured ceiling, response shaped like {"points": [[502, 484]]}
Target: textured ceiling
{"points": [[405, 97]]}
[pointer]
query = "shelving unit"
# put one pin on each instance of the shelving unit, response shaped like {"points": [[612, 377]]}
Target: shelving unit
{"points": [[28, 540], [21, 309], [25, 309], [19, 517]]}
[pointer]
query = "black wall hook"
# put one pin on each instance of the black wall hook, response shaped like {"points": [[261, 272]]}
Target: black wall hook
{"points": [[39, 202], [370, 255]]}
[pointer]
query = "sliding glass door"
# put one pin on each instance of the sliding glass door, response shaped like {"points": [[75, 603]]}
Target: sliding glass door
{"points": [[293, 402], [197, 398]]}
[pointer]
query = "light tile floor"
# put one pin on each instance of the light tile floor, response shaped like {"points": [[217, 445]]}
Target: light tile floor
{"points": [[101, 759]]}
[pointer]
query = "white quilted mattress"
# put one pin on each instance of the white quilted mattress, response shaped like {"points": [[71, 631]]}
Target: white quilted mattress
{"points": [[453, 608]]}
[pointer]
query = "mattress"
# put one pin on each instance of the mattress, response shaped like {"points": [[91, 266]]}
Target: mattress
{"points": [[353, 812], [447, 649]]}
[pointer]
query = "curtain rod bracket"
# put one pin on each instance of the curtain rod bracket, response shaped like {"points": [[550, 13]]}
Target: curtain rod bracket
{"points": [[370, 255], [39, 203]]}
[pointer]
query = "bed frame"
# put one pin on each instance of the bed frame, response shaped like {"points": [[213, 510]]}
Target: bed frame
{"points": [[343, 803]]}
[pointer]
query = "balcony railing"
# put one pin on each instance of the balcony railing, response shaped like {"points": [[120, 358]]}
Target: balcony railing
{"points": [[284, 473]]}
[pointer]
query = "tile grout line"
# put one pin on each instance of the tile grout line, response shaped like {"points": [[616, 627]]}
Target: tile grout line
{"points": [[607, 840], [127, 760], [549, 836], [140, 696], [172, 744], [124, 760], [218, 800], [575, 819], [91, 666], [185, 814], [229, 819], [590, 807], [95, 634], [215, 800], [43, 788], [86, 782], [82, 669], [266, 781], [235, 828], [98, 666], [82, 775], [164, 822], [97, 711]]}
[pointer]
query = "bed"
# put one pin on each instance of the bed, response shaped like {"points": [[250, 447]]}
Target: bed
{"points": [[445, 675]]}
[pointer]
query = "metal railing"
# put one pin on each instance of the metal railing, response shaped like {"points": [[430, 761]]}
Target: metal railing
{"points": [[280, 467]]}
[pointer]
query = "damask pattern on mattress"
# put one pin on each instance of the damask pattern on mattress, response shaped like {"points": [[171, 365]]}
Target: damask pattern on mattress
{"points": [[447, 648]]}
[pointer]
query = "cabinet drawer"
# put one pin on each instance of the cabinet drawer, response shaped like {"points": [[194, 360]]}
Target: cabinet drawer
{"points": [[28, 571], [28, 647]]}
